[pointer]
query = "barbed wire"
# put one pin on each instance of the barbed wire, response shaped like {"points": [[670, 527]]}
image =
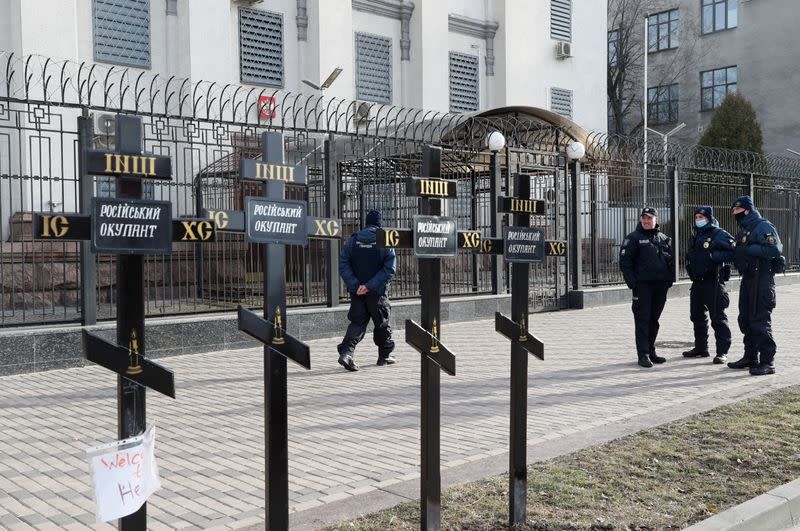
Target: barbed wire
{"points": [[34, 79]]}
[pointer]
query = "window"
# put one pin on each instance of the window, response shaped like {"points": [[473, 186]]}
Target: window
{"points": [[373, 68], [261, 47], [719, 15], [613, 47], [662, 31], [121, 32], [715, 85], [107, 187], [463, 82], [561, 19], [561, 102], [662, 104]]}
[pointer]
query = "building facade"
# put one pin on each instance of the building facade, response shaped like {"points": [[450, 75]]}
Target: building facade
{"points": [[452, 55], [701, 50]]}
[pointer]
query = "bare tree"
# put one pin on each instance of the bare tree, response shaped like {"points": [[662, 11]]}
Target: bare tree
{"points": [[626, 59]]}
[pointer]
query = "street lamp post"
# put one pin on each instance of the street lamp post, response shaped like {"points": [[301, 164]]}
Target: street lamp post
{"points": [[665, 136]]}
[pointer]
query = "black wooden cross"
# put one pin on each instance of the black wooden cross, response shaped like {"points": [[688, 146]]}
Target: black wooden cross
{"points": [[128, 227], [432, 238], [520, 245], [275, 223]]}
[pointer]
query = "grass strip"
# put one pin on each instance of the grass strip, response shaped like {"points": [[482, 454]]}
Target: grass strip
{"points": [[665, 477]]}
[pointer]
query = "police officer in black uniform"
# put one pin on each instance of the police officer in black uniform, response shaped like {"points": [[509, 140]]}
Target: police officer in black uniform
{"points": [[708, 264], [646, 262], [367, 271], [757, 258]]}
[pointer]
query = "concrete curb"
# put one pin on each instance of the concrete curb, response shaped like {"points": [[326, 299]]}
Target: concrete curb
{"points": [[777, 509]]}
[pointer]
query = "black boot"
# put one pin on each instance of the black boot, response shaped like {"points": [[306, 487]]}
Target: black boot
{"points": [[719, 359], [762, 369], [656, 358], [644, 360], [744, 363], [348, 362], [696, 353]]}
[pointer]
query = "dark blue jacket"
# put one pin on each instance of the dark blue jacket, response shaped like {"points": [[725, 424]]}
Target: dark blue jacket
{"points": [[646, 256], [757, 243], [363, 262], [709, 247]]}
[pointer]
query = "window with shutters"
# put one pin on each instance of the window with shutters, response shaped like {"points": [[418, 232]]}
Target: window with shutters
{"points": [[561, 19], [373, 68], [561, 102], [261, 47], [464, 82], [121, 32]]}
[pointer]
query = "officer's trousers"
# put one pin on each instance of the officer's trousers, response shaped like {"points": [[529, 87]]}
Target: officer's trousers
{"points": [[756, 302], [648, 303], [710, 295], [362, 309]]}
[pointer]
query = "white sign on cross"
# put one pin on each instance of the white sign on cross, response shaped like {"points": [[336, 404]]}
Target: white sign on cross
{"points": [[124, 474]]}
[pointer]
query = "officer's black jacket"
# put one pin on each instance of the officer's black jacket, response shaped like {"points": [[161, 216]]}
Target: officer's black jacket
{"points": [[709, 247], [757, 243], [363, 262], [646, 256]]}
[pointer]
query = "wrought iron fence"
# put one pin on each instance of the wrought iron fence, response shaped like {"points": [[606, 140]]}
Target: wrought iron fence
{"points": [[361, 149]]}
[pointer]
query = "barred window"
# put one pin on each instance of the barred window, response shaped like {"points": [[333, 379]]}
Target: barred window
{"points": [[561, 19], [715, 85], [373, 68], [121, 32], [662, 104], [261, 47], [719, 15], [464, 82], [561, 102], [662, 31]]}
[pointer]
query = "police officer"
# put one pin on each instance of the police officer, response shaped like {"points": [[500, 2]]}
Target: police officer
{"points": [[758, 258], [647, 264], [367, 271], [708, 264]]}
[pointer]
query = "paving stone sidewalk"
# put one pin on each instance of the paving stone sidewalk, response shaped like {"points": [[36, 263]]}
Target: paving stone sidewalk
{"points": [[351, 434]]}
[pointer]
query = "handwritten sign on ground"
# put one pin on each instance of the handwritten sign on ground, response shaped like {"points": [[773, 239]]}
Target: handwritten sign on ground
{"points": [[125, 474]]}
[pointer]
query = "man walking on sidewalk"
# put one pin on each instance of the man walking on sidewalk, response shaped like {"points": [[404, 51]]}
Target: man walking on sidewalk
{"points": [[708, 264], [647, 264], [367, 271]]}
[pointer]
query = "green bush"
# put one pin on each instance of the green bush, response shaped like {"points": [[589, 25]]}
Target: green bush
{"points": [[734, 126]]}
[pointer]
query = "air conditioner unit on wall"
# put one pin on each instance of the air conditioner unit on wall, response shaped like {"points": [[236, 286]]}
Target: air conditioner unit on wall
{"points": [[563, 49]]}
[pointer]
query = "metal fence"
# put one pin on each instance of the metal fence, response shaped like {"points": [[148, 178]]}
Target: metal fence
{"points": [[678, 179], [358, 155]]}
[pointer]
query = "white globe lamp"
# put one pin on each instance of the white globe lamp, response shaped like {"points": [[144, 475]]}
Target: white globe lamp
{"points": [[575, 151], [496, 141]]}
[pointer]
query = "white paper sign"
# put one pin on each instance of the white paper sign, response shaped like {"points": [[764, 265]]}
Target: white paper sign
{"points": [[125, 474]]}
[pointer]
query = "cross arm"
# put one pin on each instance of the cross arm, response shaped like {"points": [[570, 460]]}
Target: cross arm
{"points": [[128, 364], [519, 335], [427, 344], [274, 337]]}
